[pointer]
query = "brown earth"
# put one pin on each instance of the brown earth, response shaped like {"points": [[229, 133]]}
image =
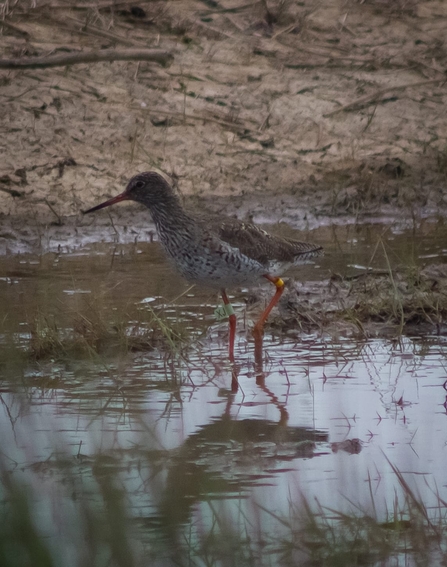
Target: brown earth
{"points": [[284, 110]]}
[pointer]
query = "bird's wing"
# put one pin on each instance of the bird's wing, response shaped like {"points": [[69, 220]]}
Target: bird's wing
{"points": [[258, 244]]}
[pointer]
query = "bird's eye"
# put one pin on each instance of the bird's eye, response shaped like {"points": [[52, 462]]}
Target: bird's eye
{"points": [[139, 185]]}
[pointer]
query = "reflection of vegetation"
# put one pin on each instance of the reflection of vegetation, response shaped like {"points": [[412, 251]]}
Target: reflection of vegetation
{"points": [[97, 523], [20, 541], [331, 538], [102, 528]]}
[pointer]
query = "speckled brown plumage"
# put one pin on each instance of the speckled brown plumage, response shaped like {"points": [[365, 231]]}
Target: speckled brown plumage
{"points": [[216, 252], [258, 244]]}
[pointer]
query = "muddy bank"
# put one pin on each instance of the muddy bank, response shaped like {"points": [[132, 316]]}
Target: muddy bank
{"points": [[132, 223], [304, 110]]}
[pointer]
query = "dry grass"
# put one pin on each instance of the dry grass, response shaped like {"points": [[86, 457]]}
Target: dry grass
{"points": [[92, 332], [404, 300]]}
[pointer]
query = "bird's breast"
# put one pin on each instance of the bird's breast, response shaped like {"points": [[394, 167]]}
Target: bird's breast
{"points": [[212, 263]]}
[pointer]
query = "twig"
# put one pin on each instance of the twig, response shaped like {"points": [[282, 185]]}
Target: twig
{"points": [[267, 118], [11, 192], [158, 56], [418, 63], [85, 28], [7, 24], [284, 30], [342, 22], [370, 119], [372, 99], [332, 55], [59, 220], [113, 226], [226, 124], [107, 4], [235, 23], [328, 53], [233, 10], [19, 95], [213, 29]]}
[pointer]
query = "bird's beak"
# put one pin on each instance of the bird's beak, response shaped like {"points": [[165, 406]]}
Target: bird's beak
{"points": [[112, 201]]}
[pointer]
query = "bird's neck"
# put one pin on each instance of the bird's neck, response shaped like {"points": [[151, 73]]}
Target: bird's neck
{"points": [[169, 216]]}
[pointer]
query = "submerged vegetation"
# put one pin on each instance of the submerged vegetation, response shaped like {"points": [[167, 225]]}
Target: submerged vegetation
{"points": [[386, 301], [393, 300], [91, 332], [399, 301], [405, 299]]}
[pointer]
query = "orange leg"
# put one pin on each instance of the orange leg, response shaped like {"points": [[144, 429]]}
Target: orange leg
{"points": [[258, 329], [232, 324]]}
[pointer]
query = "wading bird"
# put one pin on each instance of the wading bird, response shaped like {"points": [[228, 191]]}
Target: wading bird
{"points": [[216, 252]]}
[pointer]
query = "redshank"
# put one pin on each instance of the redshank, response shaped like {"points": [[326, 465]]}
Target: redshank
{"points": [[216, 252]]}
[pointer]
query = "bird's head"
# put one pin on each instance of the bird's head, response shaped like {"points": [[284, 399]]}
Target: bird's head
{"points": [[148, 188]]}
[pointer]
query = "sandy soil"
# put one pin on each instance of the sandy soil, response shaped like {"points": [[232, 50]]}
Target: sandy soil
{"points": [[285, 110]]}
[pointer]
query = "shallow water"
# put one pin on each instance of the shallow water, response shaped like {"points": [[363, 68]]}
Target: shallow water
{"points": [[326, 422]]}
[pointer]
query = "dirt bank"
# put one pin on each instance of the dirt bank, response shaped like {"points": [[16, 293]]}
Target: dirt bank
{"points": [[286, 110]]}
